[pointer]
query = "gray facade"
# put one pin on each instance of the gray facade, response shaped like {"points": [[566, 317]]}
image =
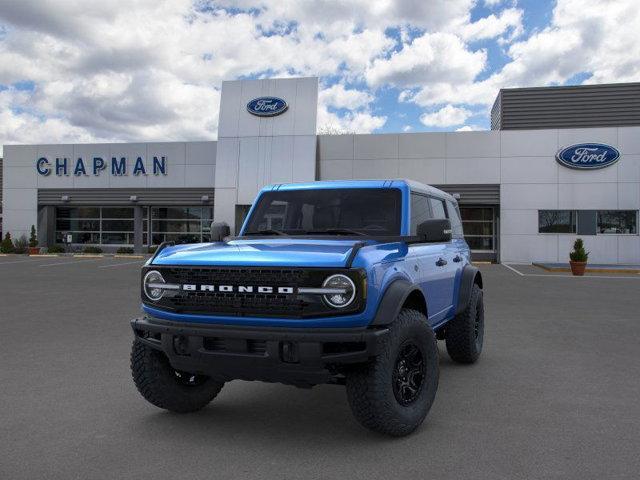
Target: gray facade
{"points": [[581, 106], [508, 181]]}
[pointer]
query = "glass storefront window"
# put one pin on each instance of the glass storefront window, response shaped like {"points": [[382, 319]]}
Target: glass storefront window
{"points": [[618, 221], [556, 221], [95, 225], [179, 224]]}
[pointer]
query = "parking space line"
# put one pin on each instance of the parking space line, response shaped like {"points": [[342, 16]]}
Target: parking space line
{"points": [[69, 263], [513, 269], [22, 261], [121, 264], [566, 276]]}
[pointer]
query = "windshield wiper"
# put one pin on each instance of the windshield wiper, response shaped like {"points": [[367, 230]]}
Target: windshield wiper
{"points": [[267, 231], [336, 231]]}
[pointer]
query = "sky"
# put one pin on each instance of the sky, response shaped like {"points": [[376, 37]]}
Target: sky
{"points": [[77, 71]]}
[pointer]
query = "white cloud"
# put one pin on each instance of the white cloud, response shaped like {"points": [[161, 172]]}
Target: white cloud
{"points": [[407, 128], [469, 128], [509, 20], [432, 57], [447, 116], [338, 96]]}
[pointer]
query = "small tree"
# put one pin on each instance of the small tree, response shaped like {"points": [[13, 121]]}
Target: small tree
{"points": [[579, 254], [20, 245], [7, 244], [33, 239]]}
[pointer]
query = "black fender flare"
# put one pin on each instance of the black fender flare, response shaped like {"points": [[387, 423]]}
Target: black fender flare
{"points": [[392, 300], [470, 275]]}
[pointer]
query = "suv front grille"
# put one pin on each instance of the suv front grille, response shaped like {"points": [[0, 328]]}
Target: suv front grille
{"points": [[256, 304]]}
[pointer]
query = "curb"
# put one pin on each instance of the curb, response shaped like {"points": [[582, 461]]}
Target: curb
{"points": [[588, 270]]}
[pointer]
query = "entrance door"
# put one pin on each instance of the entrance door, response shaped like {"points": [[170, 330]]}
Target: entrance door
{"points": [[480, 231]]}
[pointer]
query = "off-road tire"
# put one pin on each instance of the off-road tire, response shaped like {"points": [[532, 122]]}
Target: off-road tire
{"points": [[160, 384], [370, 388], [465, 333]]}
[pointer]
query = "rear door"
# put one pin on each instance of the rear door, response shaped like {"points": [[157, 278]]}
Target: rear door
{"points": [[446, 264]]}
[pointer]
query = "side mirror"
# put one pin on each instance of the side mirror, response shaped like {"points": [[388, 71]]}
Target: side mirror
{"points": [[219, 230], [435, 230]]}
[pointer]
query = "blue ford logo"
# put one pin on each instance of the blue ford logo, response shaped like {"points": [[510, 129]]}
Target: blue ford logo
{"points": [[267, 106], [588, 156]]}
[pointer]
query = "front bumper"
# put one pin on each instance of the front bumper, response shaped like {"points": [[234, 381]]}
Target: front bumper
{"points": [[302, 357]]}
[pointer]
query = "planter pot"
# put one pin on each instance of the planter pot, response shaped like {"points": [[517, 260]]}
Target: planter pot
{"points": [[578, 268], [34, 250]]}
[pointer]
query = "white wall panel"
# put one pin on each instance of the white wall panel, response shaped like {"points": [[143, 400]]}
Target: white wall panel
{"points": [[336, 147], [528, 196], [422, 145], [200, 153], [375, 147], [375, 169], [529, 170], [629, 249], [629, 140], [473, 170], [425, 170], [587, 196], [529, 143], [20, 177], [528, 248], [199, 176], [629, 168], [304, 164], [519, 222], [473, 144], [570, 136], [629, 196]]}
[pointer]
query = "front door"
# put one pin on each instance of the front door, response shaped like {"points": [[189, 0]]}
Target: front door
{"points": [[480, 231]]}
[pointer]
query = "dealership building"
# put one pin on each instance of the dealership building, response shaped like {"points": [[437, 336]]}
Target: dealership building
{"points": [[559, 162]]}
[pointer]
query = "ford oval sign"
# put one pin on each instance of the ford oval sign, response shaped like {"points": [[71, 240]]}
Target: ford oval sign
{"points": [[267, 106], [588, 156]]}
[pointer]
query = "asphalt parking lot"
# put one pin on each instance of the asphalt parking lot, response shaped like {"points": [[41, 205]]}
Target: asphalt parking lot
{"points": [[555, 394]]}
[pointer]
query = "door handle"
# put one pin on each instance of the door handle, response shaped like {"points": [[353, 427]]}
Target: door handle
{"points": [[441, 262], [457, 258]]}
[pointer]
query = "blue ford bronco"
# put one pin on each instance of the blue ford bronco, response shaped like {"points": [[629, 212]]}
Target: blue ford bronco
{"points": [[343, 282]]}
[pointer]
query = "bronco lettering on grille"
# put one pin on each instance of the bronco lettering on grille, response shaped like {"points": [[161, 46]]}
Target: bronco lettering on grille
{"points": [[190, 287]]}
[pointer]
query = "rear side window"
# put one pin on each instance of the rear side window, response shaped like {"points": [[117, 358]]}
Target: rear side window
{"points": [[437, 208], [454, 217], [419, 211]]}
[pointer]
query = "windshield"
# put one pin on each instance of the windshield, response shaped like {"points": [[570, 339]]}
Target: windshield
{"points": [[354, 211]]}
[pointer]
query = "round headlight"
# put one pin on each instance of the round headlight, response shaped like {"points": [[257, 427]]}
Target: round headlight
{"points": [[151, 283], [345, 291]]}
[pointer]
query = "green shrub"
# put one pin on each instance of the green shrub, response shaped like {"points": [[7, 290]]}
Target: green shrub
{"points": [[125, 250], [7, 244], [33, 239], [55, 249], [92, 249], [21, 244], [579, 254]]}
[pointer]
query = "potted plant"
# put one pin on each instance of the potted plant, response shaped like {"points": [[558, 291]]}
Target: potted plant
{"points": [[33, 242], [578, 258]]}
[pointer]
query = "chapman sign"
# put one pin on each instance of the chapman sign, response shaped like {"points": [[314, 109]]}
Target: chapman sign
{"points": [[588, 156], [267, 106], [117, 166]]}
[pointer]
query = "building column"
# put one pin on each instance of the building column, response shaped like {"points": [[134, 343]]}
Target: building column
{"points": [[46, 229], [137, 229]]}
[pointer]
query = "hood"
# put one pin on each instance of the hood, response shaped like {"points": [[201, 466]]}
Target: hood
{"points": [[261, 252]]}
